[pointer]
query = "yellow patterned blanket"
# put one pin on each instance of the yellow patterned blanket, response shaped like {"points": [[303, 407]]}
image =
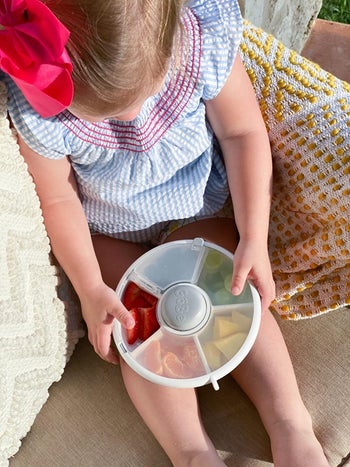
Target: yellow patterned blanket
{"points": [[307, 114]]}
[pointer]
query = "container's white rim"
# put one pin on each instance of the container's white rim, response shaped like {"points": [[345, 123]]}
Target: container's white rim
{"points": [[197, 381]]}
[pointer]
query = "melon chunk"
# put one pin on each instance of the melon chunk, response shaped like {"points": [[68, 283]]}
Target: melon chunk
{"points": [[213, 355], [243, 322], [230, 345], [223, 326]]}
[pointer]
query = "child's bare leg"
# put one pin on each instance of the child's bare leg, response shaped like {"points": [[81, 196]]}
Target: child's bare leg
{"points": [[171, 414], [115, 256], [267, 377], [173, 417]]}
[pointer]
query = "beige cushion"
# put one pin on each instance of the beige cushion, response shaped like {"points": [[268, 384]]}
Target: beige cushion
{"points": [[89, 420]]}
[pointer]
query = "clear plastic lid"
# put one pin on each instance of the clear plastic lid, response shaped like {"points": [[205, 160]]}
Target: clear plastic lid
{"points": [[190, 330]]}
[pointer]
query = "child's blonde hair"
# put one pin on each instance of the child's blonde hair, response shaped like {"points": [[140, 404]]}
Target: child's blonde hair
{"points": [[120, 49]]}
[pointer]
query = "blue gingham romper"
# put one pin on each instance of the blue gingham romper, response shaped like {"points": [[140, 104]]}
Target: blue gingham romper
{"points": [[136, 176]]}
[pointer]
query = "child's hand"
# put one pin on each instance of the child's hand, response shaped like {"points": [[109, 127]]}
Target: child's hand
{"points": [[252, 262], [99, 309]]}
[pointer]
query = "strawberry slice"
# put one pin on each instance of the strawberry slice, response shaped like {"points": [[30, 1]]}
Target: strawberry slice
{"points": [[134, 297], [151, 299], [145, 324], [133, 334], [148, 322]]}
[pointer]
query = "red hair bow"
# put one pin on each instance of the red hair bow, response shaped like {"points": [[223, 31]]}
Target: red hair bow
{"points": [[32, 52]]}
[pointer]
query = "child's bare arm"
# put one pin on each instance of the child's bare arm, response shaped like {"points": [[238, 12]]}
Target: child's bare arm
{"points": [[64, 218], [71, 243], [237, 122]]}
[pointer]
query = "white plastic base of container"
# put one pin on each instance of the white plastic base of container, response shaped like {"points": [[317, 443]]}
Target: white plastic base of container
{"points": [[191, 330]]}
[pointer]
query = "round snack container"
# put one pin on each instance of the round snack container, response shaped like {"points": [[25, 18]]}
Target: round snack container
{"points": [[190, 330]]}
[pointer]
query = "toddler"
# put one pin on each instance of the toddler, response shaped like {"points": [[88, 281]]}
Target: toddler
{"points": [[138, 122]]}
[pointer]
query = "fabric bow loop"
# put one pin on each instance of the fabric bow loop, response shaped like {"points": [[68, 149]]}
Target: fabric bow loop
{"points": [[32, 52]]}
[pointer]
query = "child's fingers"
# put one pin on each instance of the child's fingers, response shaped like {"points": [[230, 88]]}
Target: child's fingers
{"points": [[100, 334], [261, 281], [239, 278], [266, 292], [103, 345], [269, 294], [123, 316]]}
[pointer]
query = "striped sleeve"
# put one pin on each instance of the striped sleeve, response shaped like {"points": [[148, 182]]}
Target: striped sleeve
{"points": [[221, 29], [44, 136]]}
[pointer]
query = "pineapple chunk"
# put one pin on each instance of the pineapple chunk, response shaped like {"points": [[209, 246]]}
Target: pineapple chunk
{"points": [[230, 345], [223, 326]]}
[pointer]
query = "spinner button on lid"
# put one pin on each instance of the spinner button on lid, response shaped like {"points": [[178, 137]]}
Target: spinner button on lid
{"points": [[184, 307]]}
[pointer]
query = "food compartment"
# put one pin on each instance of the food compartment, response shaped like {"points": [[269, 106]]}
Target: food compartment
{"points": [[171, 263], [226, 333], [171, 356], [215, 278], [189, 329], [142, 305]]}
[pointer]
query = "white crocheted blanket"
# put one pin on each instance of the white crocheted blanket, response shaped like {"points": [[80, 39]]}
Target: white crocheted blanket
{"points": [[35, 338]]}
